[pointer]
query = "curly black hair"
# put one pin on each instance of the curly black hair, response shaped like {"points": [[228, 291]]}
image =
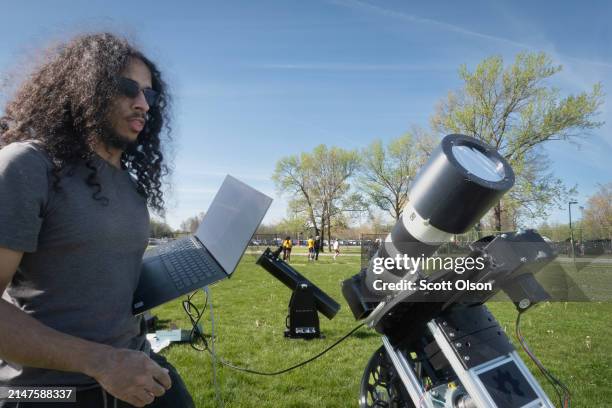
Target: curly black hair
{"points": [[65, 103]]}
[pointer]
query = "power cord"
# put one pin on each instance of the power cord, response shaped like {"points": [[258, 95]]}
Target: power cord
{"points": [[196, 335], [195, 317], [558, 386]]}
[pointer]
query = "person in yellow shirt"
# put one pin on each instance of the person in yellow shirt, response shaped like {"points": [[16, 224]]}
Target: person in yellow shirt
{"points": [[310, 244], [287, 245]]}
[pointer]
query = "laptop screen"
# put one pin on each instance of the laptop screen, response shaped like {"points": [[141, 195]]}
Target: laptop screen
{"points": [[231, 220]]}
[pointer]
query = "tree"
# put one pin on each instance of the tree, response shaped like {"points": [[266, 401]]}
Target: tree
{"points": [[191, 224], [267, 229], [293, 225], [293, 175], [597, 216], [318, 182], [379, 225], [556, 232], [534, 191], [514, 111], [159, 229], [386, 172]]}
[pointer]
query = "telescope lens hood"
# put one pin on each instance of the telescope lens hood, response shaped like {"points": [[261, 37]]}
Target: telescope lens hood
{"points": [[460, 182]]}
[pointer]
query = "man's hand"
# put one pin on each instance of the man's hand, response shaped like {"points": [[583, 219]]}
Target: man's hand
{"points": [[130, 376], [126, 374]]}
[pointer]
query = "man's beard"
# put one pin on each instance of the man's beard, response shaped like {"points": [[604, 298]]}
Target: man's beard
{"points": [[111, 138]]}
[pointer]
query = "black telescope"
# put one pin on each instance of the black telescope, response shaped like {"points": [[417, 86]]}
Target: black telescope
{"points": [[306, 300], [460, 182], [442, 347], [292, 279]]}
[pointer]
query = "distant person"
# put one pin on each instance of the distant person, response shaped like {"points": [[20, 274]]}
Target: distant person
{"points": [[310, 244], [317, 247], [336, 248], [287, 245], [373, 248]]}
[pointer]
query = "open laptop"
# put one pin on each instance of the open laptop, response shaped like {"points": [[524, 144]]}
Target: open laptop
{"points": [[187, 264]]}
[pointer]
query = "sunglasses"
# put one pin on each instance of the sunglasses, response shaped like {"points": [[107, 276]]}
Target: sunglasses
{"points": [[130, 88]]}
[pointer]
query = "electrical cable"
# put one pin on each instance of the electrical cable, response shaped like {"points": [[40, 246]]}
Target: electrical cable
{"points": [[549, 377], [558, 386], [195, 315], [247, 370], [195, 331]]}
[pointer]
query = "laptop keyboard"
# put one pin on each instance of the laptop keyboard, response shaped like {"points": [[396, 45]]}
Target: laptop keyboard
{"points": [[188, 262]]}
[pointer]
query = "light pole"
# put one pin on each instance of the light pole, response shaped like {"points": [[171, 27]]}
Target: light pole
{"points": [[569, 209], [581, 227]]}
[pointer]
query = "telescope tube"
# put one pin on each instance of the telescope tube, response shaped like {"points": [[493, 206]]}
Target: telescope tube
{"points": [[462, 179]]}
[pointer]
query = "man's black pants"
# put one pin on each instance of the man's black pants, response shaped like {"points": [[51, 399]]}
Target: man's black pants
{"points": [[176, 397]]}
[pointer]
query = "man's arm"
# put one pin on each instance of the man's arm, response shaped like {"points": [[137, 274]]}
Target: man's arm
{"points": [[129, 375]]}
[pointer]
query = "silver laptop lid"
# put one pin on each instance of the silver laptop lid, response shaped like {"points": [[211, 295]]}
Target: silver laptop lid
{"points": [[231, 221]]}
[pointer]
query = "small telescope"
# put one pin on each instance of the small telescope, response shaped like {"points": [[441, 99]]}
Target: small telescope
{"points": [[306, 300], [444, 348]]}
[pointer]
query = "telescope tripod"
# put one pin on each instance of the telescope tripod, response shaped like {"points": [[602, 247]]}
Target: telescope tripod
{"points": [[462, 359]]}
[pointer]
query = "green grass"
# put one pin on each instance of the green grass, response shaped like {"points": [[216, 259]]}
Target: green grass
{"points": [[571, 339]]}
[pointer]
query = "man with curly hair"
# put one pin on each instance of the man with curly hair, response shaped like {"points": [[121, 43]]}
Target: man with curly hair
{"points": [[80, 161]]}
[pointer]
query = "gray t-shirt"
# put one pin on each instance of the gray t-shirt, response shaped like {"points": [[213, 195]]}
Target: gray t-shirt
{"points": [[81, 259]]}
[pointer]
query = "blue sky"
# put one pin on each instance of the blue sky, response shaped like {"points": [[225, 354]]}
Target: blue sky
{"points": [[254, 81]]}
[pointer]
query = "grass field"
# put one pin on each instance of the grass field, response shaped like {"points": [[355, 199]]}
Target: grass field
{"points": [[571, 339]]}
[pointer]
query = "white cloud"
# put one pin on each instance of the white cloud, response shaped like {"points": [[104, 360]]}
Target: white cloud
{"points": [[360, 5], [356, 4]]}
